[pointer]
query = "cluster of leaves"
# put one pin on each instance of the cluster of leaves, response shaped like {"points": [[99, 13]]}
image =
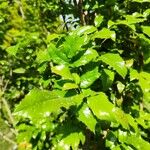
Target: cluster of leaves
{"points": [[88, 88]]}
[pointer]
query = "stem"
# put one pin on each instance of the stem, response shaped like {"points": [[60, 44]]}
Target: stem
{"points": [[7, 139], [81, 14], [63, 15]]}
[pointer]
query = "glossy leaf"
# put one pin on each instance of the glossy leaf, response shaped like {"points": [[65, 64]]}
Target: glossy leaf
{"points": [[88, 56], [68, 86], [63, 71], [56, 55], [98, 20], [101, 107], [72, 140], [107, 78], [41, 103], [115, 61], [105, 34], [19, 70], [86, 116], [89, 77]]}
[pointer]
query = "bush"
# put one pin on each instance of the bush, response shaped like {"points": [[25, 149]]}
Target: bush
{"points": [[87, 88]]}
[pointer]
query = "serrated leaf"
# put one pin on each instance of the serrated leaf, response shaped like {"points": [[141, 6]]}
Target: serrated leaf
{"points": [[89, 77], [41, 103], [115, 61], [63, 71], [88, 56], [101, 107], [86, 116], [105, 34]]}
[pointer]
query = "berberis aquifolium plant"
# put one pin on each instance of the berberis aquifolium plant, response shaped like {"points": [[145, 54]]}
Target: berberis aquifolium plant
{"points": [[92, 78]]}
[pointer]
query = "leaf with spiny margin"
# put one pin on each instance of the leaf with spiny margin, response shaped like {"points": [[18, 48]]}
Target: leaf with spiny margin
{"points": [[86, 116], [40, 103], [115, 61]]}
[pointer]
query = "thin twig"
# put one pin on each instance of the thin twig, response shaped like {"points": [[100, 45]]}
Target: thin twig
{"points": [[6, 138]]}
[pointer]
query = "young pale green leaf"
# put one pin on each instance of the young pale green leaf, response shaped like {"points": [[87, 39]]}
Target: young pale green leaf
{"points": [[89, 77], [41, 103], [63, 71], [86, 116], [19, 70], [115, 61], [68, 86], [105, 34], [98, 20], [101, 107], [88, 56]]}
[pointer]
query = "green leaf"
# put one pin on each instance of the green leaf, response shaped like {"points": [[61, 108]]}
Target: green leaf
{"points": [[19, 70], [101, 107], [105, 34], [68, 86], [63, 71], [41, 103], [120, 87], [134, 140], [115, 61], [72, 45], [12, 50], [98, 20], [72, 140], [89, 77], [88, 56], [146, 30], [86, 116], [51, 37], [107, 78], [42, 56], [85, 30], [56, 55]]}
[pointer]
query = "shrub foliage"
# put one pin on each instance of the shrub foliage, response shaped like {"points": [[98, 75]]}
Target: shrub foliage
{"points": [[76, 74]]}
